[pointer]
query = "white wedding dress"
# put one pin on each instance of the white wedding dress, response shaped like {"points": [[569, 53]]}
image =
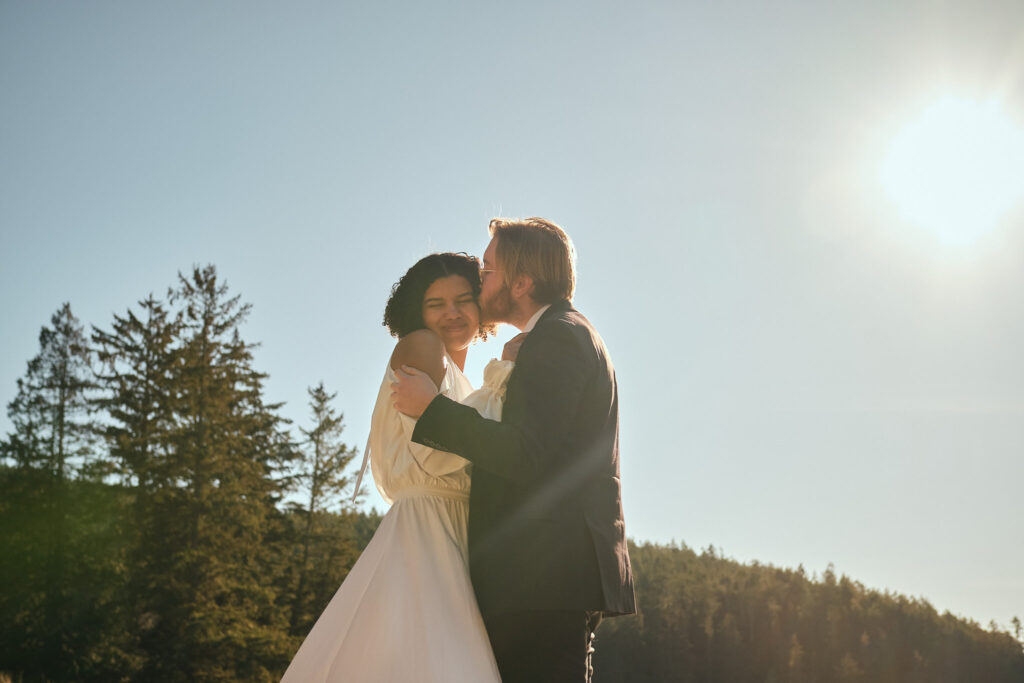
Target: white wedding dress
{"points": [[406, 611]]}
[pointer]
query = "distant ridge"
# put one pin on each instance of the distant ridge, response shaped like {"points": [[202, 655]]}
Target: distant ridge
{"points": [[707, 618]]}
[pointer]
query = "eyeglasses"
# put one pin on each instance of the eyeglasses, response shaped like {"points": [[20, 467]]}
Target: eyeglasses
{"points": [[487, 270]]}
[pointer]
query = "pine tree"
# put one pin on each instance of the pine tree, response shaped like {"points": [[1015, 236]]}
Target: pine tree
{"points": [[50, 412], [138, 358], [212, 613], [53, 440], [321, 478]]}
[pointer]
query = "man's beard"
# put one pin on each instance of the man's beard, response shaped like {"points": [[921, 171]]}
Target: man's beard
{"points": [[498, 308]]}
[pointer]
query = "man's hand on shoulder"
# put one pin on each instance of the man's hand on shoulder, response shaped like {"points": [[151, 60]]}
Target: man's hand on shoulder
{"points": [[413, 391]]}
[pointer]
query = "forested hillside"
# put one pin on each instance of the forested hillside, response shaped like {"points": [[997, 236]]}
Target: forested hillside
{"points": [[161, 521], [707, 618]]}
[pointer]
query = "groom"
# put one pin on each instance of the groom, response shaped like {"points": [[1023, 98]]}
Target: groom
{"points": [[547, 542]]}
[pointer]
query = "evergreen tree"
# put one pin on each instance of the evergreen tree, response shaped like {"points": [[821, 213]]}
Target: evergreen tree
{"points": [[50, 412], [52, 442], [138, 358], [772, 624], [210, 490], [137, 361], [321, 480], [75, 630], [323, 456]]}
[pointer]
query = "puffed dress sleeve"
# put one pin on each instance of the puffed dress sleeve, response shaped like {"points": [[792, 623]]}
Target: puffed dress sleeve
{"points": [[490, 397]]}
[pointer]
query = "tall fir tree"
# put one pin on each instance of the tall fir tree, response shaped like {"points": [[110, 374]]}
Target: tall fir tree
{"points": [[213, 613], [321, 481], [137, 358], [51, 412], [47, 516], [136, 363]]}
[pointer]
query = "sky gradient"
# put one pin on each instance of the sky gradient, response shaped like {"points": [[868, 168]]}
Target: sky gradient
{"points": [[805, 377]]}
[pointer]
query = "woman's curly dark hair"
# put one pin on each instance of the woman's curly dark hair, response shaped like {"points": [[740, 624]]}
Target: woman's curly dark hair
{"points": [[404, 311]]}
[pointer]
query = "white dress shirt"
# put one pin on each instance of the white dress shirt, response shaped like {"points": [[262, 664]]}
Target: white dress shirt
{"points": [[535, 318]]}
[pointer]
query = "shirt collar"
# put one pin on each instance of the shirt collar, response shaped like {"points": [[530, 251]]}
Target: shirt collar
{"points": [[535, 318]]}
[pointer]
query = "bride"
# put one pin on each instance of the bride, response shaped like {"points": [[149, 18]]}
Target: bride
{"points": [[407, 610]]}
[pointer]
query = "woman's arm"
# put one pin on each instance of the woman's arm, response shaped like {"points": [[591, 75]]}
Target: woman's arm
{"points": [[423, 350]]}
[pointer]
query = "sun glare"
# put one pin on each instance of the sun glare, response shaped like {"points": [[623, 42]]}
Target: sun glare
{"points": [[956, 170]]}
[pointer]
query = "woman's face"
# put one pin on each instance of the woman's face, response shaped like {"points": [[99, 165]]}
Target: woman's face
{"points": [[450, 310]]}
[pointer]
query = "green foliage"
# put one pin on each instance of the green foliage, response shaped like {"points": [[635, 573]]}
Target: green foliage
{"points": [[107, 613], [52, 440], [50, 410], [204, 450], [320, 478], [182, 570], [320, 475], [137, 364], [704, 618], [71, 625]]}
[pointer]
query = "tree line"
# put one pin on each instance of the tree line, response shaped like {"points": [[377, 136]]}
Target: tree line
{"points": [[704, 617], [161, 521]]}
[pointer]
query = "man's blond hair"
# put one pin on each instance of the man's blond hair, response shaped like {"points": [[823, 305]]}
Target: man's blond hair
{"points": [[540, 249]]}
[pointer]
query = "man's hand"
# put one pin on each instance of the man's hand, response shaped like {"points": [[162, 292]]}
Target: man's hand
{"points": [[511, 350], [413, 391]]}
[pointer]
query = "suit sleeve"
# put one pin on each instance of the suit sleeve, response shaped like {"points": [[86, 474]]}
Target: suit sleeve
{"points": [[432, 461], [552, 375]]}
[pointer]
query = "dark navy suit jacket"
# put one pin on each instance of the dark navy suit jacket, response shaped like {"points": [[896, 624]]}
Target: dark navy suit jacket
{"points": [[546, 530]]}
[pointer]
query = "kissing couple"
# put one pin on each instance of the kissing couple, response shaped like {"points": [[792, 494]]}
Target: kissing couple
{"points": [[504, 545]]}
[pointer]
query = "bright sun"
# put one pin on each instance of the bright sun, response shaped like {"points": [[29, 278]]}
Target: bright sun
{"points": [[956, 169]]}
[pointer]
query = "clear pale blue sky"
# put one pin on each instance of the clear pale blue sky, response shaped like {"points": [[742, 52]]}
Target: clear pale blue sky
{"points": [[804, 377]]}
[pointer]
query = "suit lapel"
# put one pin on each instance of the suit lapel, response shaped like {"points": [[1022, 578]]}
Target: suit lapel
{"points": [[556, 308], [512, 400]]}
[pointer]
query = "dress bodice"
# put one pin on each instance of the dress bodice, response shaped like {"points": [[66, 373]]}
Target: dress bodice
{"points": [[399, 464], [396, 461]]}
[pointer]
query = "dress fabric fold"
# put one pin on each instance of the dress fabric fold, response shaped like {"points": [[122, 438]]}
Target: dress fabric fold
{"points": [[407, 611]]}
